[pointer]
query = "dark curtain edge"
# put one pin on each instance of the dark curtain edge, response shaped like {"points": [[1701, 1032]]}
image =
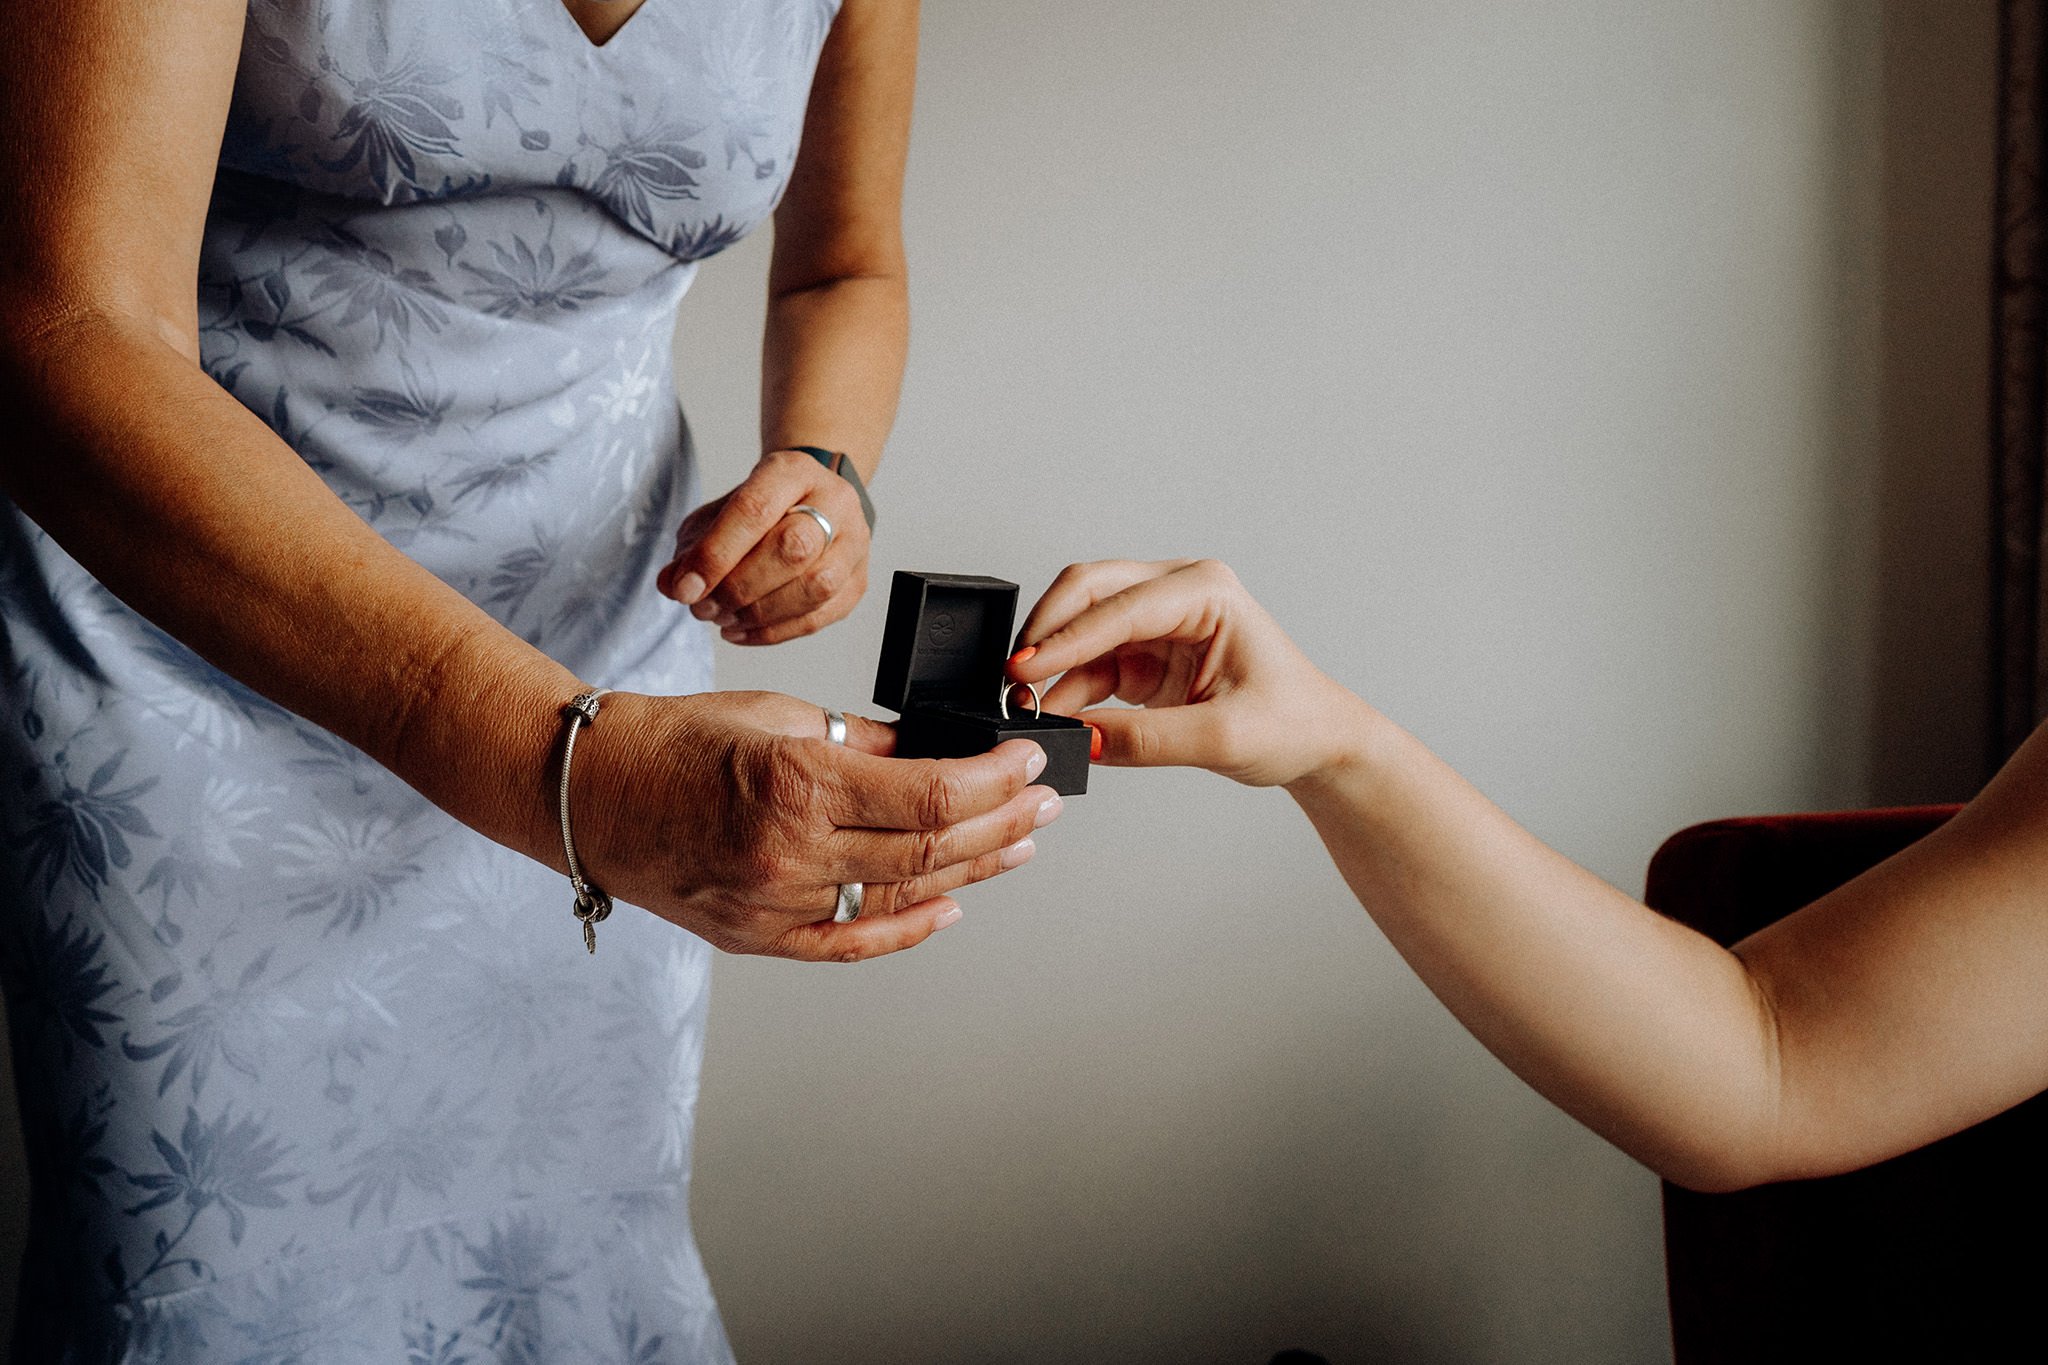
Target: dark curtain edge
{"points": [[2019, 385]]}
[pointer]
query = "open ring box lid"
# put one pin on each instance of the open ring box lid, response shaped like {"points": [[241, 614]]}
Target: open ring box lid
{"points": [[943, 651]]}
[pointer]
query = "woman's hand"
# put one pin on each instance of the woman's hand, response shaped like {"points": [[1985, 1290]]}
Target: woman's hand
{"points": [[762, 571], [1221, 685], [731, 814]]}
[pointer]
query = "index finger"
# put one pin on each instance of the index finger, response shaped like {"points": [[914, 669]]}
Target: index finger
{"points": [[1080, 586], [928, 793], [1114, 608]]}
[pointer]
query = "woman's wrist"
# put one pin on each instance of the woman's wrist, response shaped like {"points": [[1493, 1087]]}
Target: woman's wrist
{"points": [[1358, 744], [481, 737], [839, 462]]}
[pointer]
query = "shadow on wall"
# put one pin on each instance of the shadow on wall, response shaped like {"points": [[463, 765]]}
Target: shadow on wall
{"points": [[1927, 707], [1913, 390], [1919, 696]]}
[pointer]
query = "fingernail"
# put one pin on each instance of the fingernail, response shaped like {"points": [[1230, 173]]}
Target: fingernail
{"points": [[733, 635], [1018, 854], [726, 618], [690, 587], [1035, 764], [704, 610], [946, 919], [1047, 813], [1023, 654], [1094, 744]]}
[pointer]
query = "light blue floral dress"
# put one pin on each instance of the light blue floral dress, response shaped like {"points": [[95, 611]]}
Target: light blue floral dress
{"points": [[308, 1071]]}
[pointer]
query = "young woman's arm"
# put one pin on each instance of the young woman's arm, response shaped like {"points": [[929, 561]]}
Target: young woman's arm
{"points": [[832, 355], [1909, 1004]]}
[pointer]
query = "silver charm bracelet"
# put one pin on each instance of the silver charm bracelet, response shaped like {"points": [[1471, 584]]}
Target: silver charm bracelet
{"points": [[592, 905]]}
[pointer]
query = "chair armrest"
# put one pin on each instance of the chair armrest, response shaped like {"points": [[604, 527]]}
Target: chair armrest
{"points": [[1730, 878]]}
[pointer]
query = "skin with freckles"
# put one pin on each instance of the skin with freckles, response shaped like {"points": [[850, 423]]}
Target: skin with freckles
{"points": [[726, 813], [1903, 1007]]}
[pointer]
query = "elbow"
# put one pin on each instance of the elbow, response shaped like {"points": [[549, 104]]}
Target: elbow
{"points": [[1720, 1172], [1769, 1139], [1750, 1142], [65, 375], [1720, 1162], [44, 338], [811, 284], [1752, 1136], [1730, 1171], [41, 350], [29, 330], [806, 266]]}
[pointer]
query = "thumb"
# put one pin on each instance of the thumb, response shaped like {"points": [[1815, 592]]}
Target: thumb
{"points": [[1163, 737]]}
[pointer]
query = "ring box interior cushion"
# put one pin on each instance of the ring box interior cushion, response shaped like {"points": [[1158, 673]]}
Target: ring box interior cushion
{"points": [[943, 651]]}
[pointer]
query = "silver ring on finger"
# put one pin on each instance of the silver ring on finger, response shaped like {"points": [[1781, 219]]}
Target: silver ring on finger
{"points": [[847, 908], [824, 522], [850, 897]]}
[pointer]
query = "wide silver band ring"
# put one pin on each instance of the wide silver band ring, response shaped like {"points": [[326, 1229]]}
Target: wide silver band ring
{"points": [[824, 522], [1003, 704], [850, 897], [847, 909]]}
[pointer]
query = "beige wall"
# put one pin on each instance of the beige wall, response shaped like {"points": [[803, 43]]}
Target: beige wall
{"points": [[1598, 387]]}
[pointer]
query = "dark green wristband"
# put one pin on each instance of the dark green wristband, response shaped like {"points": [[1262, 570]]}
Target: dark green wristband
{"points": [[836, 461]]}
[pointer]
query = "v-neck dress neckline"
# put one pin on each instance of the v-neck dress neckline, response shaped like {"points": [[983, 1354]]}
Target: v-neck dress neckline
{"points": [[584, 40]]}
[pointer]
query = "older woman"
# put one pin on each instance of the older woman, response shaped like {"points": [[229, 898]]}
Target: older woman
{"points": [[1901, 1008], [340, 462]]}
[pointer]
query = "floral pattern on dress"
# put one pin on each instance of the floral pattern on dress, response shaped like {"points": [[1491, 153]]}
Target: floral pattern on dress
{"points": [[310, 1072]]}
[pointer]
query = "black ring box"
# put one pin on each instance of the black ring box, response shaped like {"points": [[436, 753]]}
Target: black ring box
{"points": [[943, 651]]}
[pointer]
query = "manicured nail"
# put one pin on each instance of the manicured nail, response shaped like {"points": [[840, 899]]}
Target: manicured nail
{"points": [[704, 610], [1047, 813], [690, 587], [1035, 764], [1018, 854], [1023, 655], [946, 919], [726, 618], [734, 635], [1094, 744]]}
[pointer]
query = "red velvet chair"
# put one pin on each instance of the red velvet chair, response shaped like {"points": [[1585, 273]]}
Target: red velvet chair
{"points": [[1937, 1255]]}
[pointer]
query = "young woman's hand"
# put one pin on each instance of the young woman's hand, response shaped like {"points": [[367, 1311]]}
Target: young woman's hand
{"points": [[731, 814], [762, 571], [1219, 683]]}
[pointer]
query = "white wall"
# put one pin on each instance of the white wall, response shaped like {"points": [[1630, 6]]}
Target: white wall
{"points": [[1535, 364], [1597, 386]]}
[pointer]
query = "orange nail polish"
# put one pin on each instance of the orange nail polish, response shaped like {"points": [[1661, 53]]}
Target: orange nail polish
{"points": [[1022, 655], [1094, 744]]}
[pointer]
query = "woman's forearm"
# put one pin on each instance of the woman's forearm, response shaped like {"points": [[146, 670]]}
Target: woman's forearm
{"points": [[832, 365], [1901, 1007], [1646, 1031], [194, 513]]}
